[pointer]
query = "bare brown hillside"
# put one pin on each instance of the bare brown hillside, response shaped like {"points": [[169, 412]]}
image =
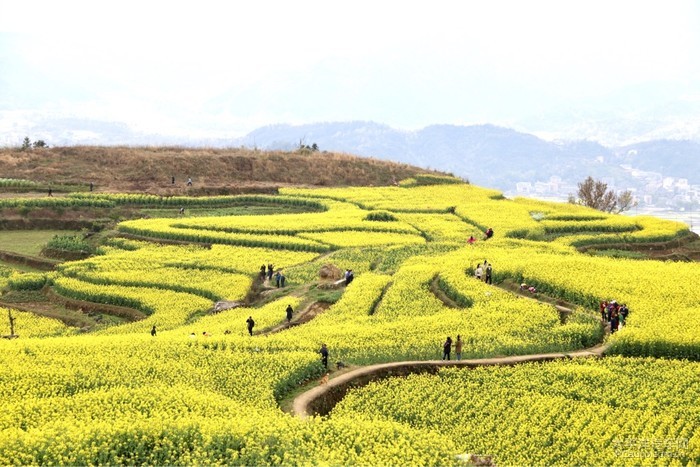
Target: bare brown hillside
{"points": [[212, 170]]}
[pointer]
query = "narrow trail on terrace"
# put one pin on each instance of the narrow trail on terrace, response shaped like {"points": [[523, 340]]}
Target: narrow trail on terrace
{"points": [[321, 399], [303, 316]]}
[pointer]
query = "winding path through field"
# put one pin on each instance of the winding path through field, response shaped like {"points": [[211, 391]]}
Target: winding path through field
{"points": [[321, 399]]}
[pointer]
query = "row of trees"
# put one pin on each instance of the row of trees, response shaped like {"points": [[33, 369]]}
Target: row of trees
{"points": [[595, 194], [27, 144]]}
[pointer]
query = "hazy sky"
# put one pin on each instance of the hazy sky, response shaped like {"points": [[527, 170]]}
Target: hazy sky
{"points": [[225, 68]]}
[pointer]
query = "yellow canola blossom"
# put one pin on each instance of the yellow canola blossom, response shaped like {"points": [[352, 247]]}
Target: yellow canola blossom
{"points": [[350, 238], [165, 308], [614, 411], [122, 396], [28, 324]]}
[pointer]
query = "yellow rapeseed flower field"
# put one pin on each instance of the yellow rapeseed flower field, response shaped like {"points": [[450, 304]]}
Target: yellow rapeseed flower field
{"points": [[202, 391]]}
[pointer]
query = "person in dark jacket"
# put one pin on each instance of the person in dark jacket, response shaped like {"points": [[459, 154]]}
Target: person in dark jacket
{"points": [[290, 311], [447, 348], [324, 355], [250, 323]]}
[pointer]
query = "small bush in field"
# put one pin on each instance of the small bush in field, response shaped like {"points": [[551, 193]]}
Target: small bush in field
{"points": [[382, 216]]}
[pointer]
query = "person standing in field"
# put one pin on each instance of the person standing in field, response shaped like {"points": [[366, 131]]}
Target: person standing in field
{"points": [[324, 355], [290, 312], [478, 271], [603, 307], [614, 321], [458, 347], [250, 323], [624, 311], [447, 348], [489, 272], [153, 330], [270, 268], [278, 278]]}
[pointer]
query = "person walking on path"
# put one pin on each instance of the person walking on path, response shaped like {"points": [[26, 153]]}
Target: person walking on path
{"points": [[262, 272], [447, 348], [290, 312], [458, 347], [603, 308], [153, 331], [614, 321], [278, 278], [50, 192], [349, 276], [270, 269], [324, 355], [189, 181], [250, 323], [282, 279], [489, 272]]}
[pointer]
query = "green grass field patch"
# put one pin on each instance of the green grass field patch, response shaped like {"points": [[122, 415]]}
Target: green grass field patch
{"points": [[28, 242]]}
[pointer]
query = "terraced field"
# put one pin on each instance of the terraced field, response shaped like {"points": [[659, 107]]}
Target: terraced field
{"points": [[204, 391]]}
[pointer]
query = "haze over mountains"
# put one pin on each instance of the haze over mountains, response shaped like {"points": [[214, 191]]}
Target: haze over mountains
{"points": [[664, 173]]}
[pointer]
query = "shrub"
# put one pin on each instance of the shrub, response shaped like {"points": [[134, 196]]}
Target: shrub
{"points": [[382, 216]]}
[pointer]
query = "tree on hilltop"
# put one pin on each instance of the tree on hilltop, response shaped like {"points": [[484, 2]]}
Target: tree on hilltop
{"points": [[595, 194], [27, 144]]}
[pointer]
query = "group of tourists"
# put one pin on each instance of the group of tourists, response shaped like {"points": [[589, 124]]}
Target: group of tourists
{"points": [[172, 181], [484, 271], [613, 313], [269, 272], [447, 348], [487, 234], [250, 322], [524, 287]]}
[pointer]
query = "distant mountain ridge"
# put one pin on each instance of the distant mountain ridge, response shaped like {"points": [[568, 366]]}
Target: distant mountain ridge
{"points": [[488, 155]]}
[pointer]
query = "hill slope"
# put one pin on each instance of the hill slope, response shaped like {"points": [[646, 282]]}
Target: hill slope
{"points": [[212, 170]]}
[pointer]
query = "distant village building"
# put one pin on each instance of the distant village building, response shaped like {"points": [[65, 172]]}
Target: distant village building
{"points": [[542, 187], [554, 183], [523, 187]]}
